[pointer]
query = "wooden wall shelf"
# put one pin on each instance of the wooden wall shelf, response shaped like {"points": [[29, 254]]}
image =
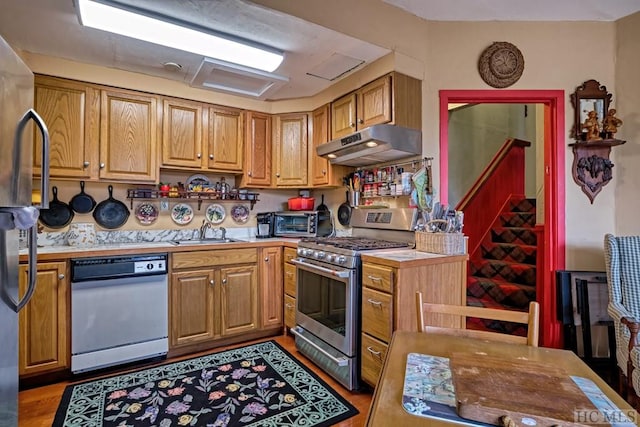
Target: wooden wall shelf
{"points": [[592, 168]]}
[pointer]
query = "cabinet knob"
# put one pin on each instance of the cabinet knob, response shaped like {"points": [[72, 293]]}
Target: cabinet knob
{"points": [[266, 259], [211, 156], [85, 164], [277, 175], [352, 124], [60, 276], [324, 171], [249, 173], [199, 155], [102, 165], [212, 282], [224, 281], [360, 121]]}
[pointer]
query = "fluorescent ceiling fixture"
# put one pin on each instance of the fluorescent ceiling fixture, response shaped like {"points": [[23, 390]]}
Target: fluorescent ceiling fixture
{"points": [[143, 27]]}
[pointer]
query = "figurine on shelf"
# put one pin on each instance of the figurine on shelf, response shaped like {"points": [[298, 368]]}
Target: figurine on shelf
{"points": [[611, 124], [592, 127]]}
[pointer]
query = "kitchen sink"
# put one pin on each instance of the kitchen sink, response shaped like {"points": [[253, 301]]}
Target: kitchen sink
{"points": [[203, 241]]}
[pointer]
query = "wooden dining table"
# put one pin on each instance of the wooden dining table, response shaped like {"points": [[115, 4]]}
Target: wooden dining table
{"points": [[387, 403]]}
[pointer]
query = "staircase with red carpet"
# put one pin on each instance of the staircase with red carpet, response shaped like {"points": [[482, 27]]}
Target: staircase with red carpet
{"points": [[502, 274]]}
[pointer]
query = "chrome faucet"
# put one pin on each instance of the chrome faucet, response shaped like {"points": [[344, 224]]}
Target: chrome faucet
{"points": [[224, 232], [203, 229]]}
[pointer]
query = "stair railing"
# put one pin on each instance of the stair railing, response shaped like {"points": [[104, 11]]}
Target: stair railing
{"points": [[499, 181]]}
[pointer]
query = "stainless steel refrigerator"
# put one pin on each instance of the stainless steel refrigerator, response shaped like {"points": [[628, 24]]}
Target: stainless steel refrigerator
{"points": [[16, 212]]}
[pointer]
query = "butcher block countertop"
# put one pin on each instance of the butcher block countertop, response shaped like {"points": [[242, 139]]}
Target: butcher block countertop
{"points": [[50, 253], [408, 258]]}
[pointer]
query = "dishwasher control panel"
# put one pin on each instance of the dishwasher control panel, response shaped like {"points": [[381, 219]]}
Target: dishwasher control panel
{"points": [[104, 268]]}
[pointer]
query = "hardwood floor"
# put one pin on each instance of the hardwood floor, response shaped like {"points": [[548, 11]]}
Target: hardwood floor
{"points": [[37, 406]]}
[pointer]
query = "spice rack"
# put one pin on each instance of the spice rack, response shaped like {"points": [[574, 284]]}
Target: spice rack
{"points": [[197, 196]]}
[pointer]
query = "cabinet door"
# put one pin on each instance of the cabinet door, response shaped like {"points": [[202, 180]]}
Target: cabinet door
{"points": [[272, 287], [374, 103], [343, 116], [320, 135], [71, 111], [257, 171], [238, 299], [182, 133], [128, 136], [291, 150], [44, 344], [192, 314], [225, 139]]}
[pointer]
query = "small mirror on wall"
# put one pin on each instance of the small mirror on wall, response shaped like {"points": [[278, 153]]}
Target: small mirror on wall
{"points": [[591, 104]]}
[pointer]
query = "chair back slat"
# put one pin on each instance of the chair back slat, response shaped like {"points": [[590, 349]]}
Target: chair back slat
{"points": [[529, 318]]}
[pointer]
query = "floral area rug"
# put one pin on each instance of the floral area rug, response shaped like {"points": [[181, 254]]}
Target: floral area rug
{"points": [[256, 385]]}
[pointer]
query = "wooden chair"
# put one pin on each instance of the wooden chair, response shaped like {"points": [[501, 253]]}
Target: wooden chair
{"points": [[530, 318]]}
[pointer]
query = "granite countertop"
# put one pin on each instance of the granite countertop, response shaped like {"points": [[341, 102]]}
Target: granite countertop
{"points": [[408, 257]]}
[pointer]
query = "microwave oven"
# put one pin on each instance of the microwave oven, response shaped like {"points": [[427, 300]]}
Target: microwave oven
{"points": [[295, 224]]}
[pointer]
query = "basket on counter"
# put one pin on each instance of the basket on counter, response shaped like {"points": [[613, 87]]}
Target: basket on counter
{"points": [[441, 243]]}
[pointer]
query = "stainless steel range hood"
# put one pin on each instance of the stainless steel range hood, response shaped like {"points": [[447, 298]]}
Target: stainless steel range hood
{"points": [[375, 144]]}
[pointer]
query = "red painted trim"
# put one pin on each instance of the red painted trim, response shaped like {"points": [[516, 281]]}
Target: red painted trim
{"points": [[554, 184]]}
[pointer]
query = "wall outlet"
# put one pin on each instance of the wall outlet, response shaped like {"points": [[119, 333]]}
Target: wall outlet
{"points": [[164, 205]]}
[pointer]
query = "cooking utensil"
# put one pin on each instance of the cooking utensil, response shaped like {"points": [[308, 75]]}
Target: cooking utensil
{"points": [[322, 207], [82, 202], [301, 203], [58, 215], [344, 212], [111, 213]]}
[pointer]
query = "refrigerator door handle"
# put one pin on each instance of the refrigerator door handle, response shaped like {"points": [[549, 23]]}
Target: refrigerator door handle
{"points": [[17, 155], [33, 268]]}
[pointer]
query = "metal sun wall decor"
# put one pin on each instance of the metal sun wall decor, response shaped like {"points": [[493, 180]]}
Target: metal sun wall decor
{"points": [[594, 130]]}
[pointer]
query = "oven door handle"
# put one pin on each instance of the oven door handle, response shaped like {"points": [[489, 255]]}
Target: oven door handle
{"points": [[340, 361], [343, 274]]}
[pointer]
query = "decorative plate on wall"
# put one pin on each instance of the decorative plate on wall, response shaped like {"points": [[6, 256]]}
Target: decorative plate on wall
{"points": [[240, 214], [182, 214], [146, 213], [215, 213], [501, 64]]}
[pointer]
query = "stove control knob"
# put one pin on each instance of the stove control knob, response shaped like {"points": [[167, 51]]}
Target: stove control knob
{"points": [[331, 258], [342, 259], [149, 266], [320, 255], [300, 251], [316, 255]]}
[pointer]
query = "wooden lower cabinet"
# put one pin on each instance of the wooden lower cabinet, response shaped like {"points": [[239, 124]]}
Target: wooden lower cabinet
{"points": [[290, 283], [388, 300], [44, 325], [214, 294], [271, 286]]}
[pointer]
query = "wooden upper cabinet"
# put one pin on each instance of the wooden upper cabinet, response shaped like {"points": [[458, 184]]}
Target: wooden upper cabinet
{"points": [[373, 104], [182, 133], [393, 98], [319, 135], [44, 326], [291, 150], [71, 111], [128, 136], [343, 116], [257, 153], [225, 139]]}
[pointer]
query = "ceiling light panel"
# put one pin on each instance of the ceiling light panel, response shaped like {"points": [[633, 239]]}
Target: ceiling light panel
{"points": [[103, 16]]}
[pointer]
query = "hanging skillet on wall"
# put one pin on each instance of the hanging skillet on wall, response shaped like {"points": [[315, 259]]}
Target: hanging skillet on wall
{"points": [[82, 202], [111, 213], [344, 212], [58, 215]]}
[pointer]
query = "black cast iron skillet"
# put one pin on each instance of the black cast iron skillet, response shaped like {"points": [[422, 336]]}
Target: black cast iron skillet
{"points": [[82, 202], [58, 215], [111, 213], [344, 212]]}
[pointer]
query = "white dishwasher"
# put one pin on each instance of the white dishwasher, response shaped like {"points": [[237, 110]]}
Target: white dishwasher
{"points": [[119, 310]]}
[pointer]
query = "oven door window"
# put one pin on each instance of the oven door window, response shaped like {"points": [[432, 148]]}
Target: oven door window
{"points": [[292, 224], [324, 300]]}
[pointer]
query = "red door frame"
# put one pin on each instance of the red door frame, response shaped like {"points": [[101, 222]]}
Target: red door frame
{"points": [[554, 185]]}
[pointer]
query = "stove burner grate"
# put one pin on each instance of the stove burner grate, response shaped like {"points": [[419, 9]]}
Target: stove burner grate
{"points": [[355, 243]]}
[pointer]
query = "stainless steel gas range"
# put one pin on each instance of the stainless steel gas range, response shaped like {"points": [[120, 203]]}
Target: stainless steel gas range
{"points": [[329, 288]]}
